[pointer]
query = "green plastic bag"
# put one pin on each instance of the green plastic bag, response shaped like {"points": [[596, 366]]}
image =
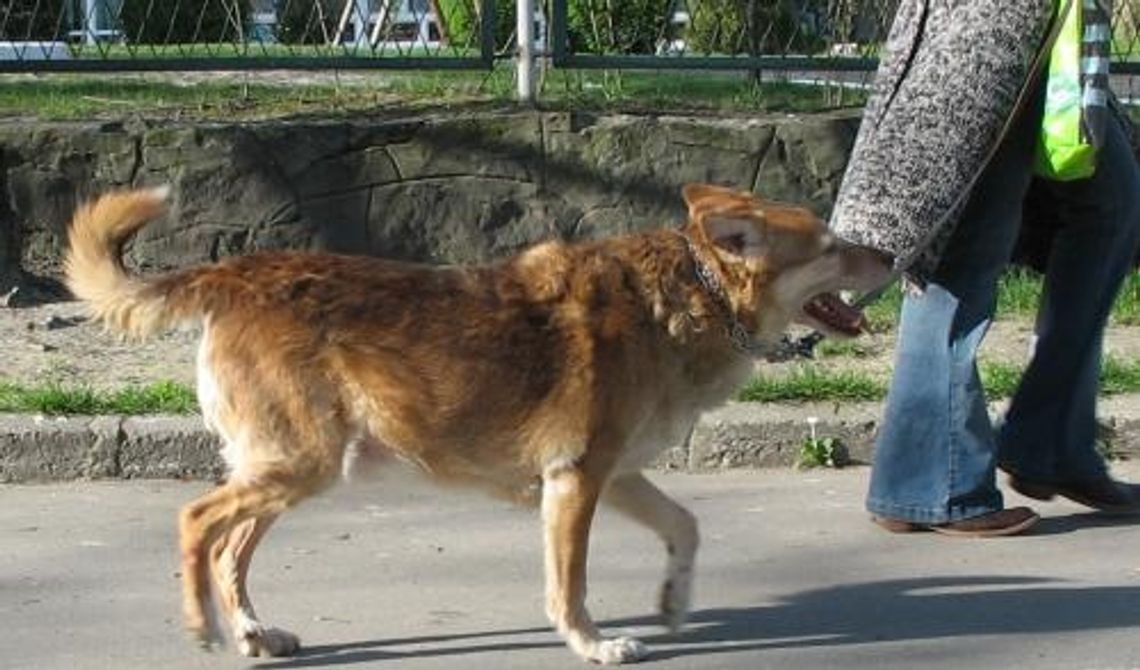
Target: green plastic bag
{"points": [[1063, 151]]}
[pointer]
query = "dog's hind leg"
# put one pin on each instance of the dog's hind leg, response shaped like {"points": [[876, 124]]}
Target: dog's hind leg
{"points": [[569, 498], [229, 560], [637, 498], [213, 517]]}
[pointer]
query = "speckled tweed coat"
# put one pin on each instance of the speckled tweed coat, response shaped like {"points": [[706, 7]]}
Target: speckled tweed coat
{"points": [[950, 79]]}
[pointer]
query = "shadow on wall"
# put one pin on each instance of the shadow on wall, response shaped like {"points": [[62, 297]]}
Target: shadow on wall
{"points": [[458, 189], [476, 189]]}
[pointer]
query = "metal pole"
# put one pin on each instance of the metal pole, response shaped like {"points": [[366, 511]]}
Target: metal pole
{"points": [[525, 65], [558, 32], [91, 21], [487, 33]]}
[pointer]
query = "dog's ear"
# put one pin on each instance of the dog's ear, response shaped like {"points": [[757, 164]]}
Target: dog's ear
{"points": [[731, 220], [702, 198], [697, 193], [736, 233]]}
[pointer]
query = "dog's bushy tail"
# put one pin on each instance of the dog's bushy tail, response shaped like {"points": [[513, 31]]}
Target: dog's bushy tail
{"points": [[94, 267]]}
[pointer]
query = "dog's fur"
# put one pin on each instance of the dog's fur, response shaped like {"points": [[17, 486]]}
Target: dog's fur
{"points": [[567, 366]]}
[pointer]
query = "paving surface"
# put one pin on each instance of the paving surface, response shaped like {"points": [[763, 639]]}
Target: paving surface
{"points": [[395, 574]]}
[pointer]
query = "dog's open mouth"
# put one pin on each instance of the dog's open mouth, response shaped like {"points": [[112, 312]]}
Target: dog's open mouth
{"points": [[830, 310]]}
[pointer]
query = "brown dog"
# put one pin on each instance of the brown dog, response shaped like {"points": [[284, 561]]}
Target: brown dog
{"points": [[567, 366]]}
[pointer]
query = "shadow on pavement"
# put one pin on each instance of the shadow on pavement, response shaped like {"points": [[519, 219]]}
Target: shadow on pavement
{"points": [[885, 611], [1078, 521]]}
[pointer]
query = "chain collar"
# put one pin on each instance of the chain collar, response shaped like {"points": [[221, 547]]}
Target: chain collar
{"points": [[737, 334], [787, 348]]}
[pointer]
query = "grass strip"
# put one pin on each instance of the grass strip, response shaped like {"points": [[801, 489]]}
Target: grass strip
{"points": [[812, 382], [1019, 293], [807, 382], [58, 399], [254, 96]]}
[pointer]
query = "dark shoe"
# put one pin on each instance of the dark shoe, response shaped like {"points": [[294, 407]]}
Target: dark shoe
{"points": [[1104, 494], [995, 524]]}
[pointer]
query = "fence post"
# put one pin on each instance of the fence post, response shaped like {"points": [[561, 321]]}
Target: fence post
{"points": [[525, 55], [90, 22]]}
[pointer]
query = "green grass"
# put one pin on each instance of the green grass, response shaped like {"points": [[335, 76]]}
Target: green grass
{"points": [[245, 97], [1019, 293], [883, 314], [1116, 376], [854, 348], [805, 383], [808, 382], [55, 398], [681, 91], [1123, 48], [82, 98], [253, 50], [1119, 376], [814, 382], [1000, 379], [1126, 311], [823, 452]]}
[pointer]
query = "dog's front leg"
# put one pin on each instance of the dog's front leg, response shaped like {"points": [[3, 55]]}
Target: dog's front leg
{"points": [[569, 498], [229, 561], [636, 497]]}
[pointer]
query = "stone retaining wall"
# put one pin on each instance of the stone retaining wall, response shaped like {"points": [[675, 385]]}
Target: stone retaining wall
{"points": [[446, 189]]}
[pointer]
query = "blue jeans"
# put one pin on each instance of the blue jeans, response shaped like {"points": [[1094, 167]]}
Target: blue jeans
{"points": [[936, 453]]}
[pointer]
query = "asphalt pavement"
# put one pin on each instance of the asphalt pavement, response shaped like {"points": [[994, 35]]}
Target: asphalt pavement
{"points": [[396, 574]]}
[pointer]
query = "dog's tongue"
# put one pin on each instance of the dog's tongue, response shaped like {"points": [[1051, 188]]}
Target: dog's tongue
{"points": [[830, 309]]}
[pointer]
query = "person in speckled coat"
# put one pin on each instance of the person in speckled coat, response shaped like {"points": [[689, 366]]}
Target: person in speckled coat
{"points": [[938, 178]]}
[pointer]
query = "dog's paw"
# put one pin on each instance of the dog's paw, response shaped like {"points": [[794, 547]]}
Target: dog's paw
{"points": [[205, 641], [259, 641], [205, 635], [676, 594], [618, 650]]}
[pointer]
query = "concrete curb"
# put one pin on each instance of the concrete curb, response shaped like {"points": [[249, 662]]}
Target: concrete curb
{"points": [[739, 435], [37, 448]]}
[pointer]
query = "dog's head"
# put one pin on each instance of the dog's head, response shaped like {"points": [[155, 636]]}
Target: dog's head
{"points": [[779, 264]]}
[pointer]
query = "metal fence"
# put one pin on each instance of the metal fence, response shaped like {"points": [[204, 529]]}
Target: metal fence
{"points": [[779, 35], [132, 35], [720, 34]]}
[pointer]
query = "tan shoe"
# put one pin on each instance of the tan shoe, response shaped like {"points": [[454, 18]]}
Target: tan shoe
{"points": [[995, 524]]}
